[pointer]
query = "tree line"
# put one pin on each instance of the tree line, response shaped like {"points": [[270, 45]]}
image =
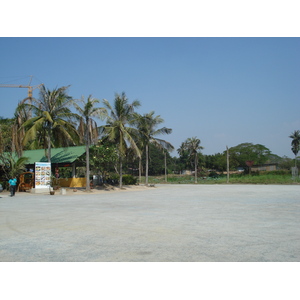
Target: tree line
{"points": [[127, 139], [55, 119]]}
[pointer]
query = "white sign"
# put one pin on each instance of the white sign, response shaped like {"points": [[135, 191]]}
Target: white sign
{"points": [[42, 175]]}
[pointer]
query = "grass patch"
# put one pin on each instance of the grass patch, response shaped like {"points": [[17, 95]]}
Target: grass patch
{"points": [[267, 178]]}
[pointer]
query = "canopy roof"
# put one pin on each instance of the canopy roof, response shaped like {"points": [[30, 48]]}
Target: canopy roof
{"points": [[58, 155]]}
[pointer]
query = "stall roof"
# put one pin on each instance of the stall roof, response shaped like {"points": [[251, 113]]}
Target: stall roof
{"points": [[58, 155]]}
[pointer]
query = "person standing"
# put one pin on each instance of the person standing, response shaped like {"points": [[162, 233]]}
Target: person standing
{"points": [[12, 186]]}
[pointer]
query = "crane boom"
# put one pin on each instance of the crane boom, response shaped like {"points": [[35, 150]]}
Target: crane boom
{"points": [[30, 87]]}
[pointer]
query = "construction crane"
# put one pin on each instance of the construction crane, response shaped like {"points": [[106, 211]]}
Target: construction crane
{"points": [[29, 87]]}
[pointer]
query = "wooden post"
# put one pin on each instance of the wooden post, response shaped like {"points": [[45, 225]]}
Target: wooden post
{"points": [[227, 164]]}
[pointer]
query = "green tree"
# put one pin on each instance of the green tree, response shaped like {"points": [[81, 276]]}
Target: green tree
{"points": [[103, 157], [147, 125], [241, 153], [88, 127], [6, 134], [21, 115], [191, 147], [53, 123], [295, 136], [285, 163], [216, 161], [12, 132], [156, 160], [183, 162], [119, 126], [12, 166]]}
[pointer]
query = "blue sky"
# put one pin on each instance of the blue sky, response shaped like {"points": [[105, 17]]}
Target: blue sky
{"points": [[225, 91]]}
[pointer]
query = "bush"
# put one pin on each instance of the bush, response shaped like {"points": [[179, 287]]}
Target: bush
{"points": [[277, 172], [5, 185], [113, 179], [129, 179], [213, 174]]}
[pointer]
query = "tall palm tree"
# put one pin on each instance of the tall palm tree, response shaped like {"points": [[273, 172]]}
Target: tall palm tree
{"points": [[6, 134], [118, 128], [18, 131], [88, 127], [147, 126], [53, 123], [192, 145], [295, 136]]}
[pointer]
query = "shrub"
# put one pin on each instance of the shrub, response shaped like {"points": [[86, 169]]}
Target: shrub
{"points": [[277, 172], [128, 179], [113, 179], [213, 174]]}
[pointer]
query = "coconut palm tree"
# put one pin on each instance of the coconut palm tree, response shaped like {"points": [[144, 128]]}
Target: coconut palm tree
{"points": [[118, 128], [192, 146], [147, 126], [295, 136], [6, 134], [88, 127], [12, 133], [18, 131], [53, 123]]}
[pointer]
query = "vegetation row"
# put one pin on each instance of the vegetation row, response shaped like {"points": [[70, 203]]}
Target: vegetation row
{"points": [[127, 143]]}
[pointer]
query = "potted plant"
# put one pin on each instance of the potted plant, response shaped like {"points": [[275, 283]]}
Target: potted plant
{"points": [[51, 186]]}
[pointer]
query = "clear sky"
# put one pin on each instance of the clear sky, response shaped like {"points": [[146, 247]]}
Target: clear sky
{"points": [[224, 91]]}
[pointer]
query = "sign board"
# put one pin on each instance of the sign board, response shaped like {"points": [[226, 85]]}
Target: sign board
{"points": [[42, 175], [249, 163]]}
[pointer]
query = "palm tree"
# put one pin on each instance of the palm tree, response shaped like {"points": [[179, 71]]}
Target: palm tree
{"points": [[12, 166], [119, 119], [147, 126], [6, 134], [18, 131], [295, 143], [88, 128], [192, 146], [53, 122]]}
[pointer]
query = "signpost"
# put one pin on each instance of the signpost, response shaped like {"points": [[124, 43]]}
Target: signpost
{"points": [[42, 175], [249, 163]]}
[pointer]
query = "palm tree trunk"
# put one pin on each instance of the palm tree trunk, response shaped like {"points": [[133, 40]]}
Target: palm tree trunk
{"points": [[147, 165], [140, 170], [49, 147], [121, 172], [87, 153]]}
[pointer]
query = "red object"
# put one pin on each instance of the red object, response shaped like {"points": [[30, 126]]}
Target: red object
{"points": [[249, 163]]}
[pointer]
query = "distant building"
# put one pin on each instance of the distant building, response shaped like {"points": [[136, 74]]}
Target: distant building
{"points": [[187, 172], [264, 167]]}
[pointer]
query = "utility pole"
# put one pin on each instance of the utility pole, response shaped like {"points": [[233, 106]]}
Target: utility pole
{"points": [[165, 166], [227, 164]]}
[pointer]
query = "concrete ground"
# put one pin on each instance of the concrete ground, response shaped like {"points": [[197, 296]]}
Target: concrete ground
{"points": [[166, 223]]}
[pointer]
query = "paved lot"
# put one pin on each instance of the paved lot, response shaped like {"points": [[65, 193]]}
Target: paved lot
{"points": [[168, 223]]}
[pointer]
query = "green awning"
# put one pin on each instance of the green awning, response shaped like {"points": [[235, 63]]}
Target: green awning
{"points": [[58, 155]]}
